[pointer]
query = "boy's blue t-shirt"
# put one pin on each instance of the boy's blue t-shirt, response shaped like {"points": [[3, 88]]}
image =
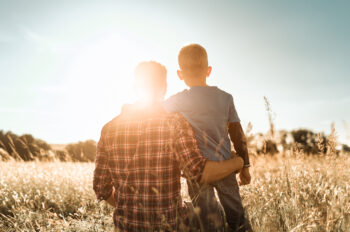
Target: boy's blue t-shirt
{"points": [[209, 110]]}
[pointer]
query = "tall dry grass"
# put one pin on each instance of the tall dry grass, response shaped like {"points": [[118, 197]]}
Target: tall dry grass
{"points": [[289, 192], [299, 193], [41, 196]]}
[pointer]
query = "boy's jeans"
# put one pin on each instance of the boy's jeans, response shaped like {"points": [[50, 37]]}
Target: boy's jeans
{"points": [[210, 214]]}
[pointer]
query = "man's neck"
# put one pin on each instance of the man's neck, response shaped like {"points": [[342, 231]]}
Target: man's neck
{"points": [[141, 110]]}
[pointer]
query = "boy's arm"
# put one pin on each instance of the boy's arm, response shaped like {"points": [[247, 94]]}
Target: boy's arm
{"points": [[239, 141], [240, 144], [192, 163]]}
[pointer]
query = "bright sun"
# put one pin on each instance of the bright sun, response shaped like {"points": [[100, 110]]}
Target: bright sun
{"points": [[102, 69]]}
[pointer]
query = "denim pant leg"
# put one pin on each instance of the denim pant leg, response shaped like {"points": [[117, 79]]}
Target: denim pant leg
{"points": [[228, 192], [210, 212]]}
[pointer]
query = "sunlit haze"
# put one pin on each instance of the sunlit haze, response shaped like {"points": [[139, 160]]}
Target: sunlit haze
{"points": [[66, 67]]}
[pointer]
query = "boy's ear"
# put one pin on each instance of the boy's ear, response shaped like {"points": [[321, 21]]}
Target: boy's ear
{"points": [[209, 71], [179, 73]]}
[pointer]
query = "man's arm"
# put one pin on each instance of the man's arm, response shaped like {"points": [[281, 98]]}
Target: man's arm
{"points": [[111, 200], [193, 164], [217, 170], [240, 144], [102, 180]]}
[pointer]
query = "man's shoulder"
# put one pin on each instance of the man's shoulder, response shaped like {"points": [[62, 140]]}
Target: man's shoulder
{"points": [[180, 122], [176, 116], [169, 116], [175, 120], [109, 125]]}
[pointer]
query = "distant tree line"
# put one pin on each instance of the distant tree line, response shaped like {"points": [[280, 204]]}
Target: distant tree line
{"points": [[28, 148], [300, 140], [24, 147], [82, 151]]}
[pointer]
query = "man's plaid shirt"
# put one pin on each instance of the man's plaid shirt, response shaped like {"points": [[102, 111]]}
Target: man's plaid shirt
{"points": [[142, 153]]}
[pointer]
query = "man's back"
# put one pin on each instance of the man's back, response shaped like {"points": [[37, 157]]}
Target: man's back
{"points": [[142, 153]]}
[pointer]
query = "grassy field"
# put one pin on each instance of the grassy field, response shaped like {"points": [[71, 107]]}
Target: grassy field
{"points": [[286, 194]]}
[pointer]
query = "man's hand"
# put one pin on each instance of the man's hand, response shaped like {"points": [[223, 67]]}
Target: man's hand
{"points": [[217, 170], [244, 176], [111, 200]]}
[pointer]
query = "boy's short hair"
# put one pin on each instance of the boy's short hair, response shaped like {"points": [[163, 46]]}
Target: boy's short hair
{"points": [[193, 60], [151, 76]]}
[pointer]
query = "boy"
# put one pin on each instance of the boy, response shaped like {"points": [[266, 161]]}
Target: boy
{"points": [[213, 116]]}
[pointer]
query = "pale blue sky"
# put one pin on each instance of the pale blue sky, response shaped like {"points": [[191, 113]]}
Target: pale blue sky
{"points": [[66, 66]]}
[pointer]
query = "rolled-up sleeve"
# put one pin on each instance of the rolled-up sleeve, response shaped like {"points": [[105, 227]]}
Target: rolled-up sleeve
{"points": [[187, 152], [102, 181]]}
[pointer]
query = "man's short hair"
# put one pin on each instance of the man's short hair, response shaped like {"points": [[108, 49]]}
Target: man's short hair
{"points": [[193, 60], [151, 76]]}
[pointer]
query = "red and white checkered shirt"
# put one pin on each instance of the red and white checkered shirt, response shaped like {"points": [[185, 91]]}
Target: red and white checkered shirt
{"points": [[141, 153]]}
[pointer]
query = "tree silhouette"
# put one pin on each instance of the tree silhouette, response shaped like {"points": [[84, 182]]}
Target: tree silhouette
{"points": [[310, 142], [82, 151], [24, 147]]}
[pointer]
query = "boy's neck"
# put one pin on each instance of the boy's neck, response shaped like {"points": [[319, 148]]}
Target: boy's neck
{"points": [[193, 83], [201, 85]]}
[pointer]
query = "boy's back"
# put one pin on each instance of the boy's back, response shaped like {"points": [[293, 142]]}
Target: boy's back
{"points": [[213, 116], [209, 110]]}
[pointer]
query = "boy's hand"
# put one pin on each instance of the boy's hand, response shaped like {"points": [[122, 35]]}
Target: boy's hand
{"points": [[244, 176]]}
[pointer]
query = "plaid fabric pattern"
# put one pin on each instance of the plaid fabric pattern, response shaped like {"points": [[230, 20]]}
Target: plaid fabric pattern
{"points": [[142, 157]]}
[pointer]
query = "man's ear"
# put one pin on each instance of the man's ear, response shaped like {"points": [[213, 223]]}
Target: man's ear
{"points": [[209, 71], [179, 74]]}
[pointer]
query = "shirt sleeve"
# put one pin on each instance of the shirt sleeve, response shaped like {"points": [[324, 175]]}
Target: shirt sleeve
{"points": [[187, 152], [232, 113], [102, 181]]}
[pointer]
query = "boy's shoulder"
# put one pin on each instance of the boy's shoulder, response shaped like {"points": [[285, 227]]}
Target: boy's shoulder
{"points": [[219, 94], [223, 92], [172, 103], [179, 94], [212, 90]]}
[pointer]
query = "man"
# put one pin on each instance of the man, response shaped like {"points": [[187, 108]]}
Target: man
{"points": [[141, 156]]}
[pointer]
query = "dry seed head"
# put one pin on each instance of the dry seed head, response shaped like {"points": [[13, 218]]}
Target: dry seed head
{"points": [[271, 117]]}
